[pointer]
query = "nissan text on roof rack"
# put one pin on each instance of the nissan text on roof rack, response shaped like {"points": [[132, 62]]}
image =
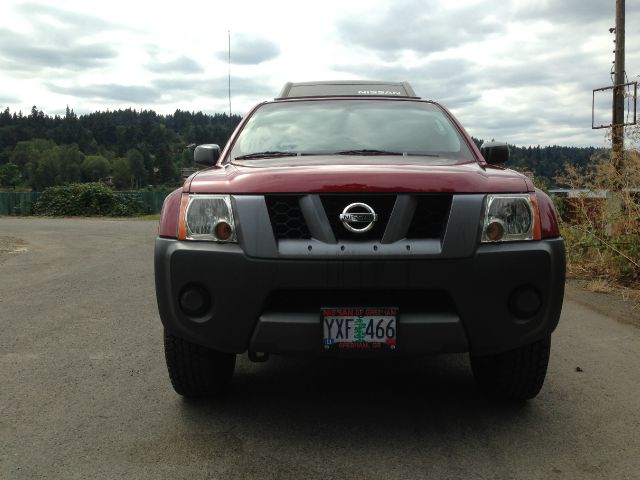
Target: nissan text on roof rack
{"points": [[357, 220]]}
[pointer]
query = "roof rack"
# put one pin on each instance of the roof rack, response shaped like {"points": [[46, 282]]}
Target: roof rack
{"points": [[350, 88]]}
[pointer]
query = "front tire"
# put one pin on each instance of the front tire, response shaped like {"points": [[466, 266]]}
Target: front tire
{"points": [[517, 374], [196, 371]]}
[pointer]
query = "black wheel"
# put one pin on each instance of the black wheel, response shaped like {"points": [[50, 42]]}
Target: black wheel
{"points": [[196, 371], [514, 375]]}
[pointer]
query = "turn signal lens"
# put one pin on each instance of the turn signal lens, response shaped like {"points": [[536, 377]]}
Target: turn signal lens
{"points": [[495, 231], [207, 217], [223, 231], [510, 217]]}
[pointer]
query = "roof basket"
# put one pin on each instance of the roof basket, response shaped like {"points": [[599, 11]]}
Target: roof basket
{"points": [[347, 88]]}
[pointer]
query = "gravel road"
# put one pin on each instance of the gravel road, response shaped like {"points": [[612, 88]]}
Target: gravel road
{"points": [[84, 391]]}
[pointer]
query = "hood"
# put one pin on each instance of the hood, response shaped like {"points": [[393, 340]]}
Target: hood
{"points": [[355, 174]]}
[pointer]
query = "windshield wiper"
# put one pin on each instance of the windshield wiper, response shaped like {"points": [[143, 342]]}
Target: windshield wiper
{"points": [[421, 154], [366, 151], [267, 154], [385, 152]]}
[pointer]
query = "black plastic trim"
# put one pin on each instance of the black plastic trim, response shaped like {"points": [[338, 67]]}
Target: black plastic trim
{"points": [[478, 286]]}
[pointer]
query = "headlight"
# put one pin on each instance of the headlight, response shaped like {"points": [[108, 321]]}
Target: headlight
{"points": [[207, 217], [510, 217]]}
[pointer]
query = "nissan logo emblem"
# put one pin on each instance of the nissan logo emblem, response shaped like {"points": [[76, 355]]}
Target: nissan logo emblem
{"points": [[358, 217]]}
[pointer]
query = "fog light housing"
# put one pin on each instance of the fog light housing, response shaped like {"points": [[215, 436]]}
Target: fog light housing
{"points": [[195, 300], [524, 302]]}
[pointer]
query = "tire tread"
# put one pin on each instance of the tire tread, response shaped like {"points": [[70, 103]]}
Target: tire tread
{"points": [[517, 374], [196, 371]]}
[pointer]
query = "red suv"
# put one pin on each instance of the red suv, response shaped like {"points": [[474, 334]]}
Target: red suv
{"points": [[355, 219]]}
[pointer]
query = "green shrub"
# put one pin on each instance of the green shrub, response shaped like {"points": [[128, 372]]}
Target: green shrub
{"points": [[85, 199]]}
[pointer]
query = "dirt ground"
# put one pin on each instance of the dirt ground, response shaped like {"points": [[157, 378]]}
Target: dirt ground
{"points": [[11, 245], [621, 303]]}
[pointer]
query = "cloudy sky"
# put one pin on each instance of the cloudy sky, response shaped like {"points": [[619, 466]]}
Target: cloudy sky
{"points": [[522, 71]]}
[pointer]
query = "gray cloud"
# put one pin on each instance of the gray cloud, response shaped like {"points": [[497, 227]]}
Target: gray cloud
{"points": [[18, 49], [249, 49], [538, 123], [564, 69], [570, 11], [166, 90], [217, 87], [447, 80], [417, 25], [7, 99], [110, 92], [179, 65], [59, 39], [41, 13]]}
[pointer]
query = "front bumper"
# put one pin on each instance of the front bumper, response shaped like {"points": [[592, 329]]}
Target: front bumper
{"points": [[446, 304]]}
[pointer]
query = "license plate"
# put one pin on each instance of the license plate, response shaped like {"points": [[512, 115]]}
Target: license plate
{"points": [[359, 328]]}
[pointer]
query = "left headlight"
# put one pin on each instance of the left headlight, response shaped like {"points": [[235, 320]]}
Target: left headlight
{"points": [[510, 217], [207, 217]]}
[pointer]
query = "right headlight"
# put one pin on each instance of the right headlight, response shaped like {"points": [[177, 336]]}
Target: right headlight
{"points": [[510, 217], [207, 217]]}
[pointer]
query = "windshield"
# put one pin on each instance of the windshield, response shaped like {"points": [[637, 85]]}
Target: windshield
{"points": [[351, 127]]}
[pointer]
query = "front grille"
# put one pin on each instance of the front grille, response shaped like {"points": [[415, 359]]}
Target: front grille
{"points": [[286, 217], [334, 205], [430, 217]]}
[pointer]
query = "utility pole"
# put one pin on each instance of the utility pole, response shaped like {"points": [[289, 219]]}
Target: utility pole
{"points": [[229, 66], [617, 133]]}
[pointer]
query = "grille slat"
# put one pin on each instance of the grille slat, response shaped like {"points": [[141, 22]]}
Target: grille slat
{"points": [[430, 217], [286, 217]]}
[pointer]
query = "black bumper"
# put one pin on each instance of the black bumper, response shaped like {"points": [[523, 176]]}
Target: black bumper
{"points": [[446, 305]]}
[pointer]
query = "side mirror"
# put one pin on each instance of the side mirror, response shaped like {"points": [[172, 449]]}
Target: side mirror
{"points": [[206, 154], [495, 152]]}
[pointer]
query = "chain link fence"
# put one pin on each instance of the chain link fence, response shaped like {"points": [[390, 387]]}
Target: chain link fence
{"points": [[21, 203]]}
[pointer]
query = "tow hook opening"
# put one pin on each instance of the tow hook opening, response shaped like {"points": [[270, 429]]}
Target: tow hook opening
{"points": [[258, 357]]}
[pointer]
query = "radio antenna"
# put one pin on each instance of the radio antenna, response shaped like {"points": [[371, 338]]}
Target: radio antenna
{"points": [[229, 38]]}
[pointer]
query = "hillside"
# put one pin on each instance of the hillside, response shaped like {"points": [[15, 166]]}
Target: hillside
{"points": [[140, 148], [135, 148]]}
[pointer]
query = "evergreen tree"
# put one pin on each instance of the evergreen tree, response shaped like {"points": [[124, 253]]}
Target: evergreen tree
{"points": [[122, 178], [95, 168], [137, 170], [9, 175]]}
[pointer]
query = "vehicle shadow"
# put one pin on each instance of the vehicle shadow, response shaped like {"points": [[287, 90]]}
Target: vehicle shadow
{"points": [[293, 395]]}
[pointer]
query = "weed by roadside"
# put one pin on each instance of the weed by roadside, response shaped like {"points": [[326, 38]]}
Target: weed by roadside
{"points": [[601, 225]]}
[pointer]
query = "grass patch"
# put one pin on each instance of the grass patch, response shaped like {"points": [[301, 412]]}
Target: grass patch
{"points": [[155, 217]]}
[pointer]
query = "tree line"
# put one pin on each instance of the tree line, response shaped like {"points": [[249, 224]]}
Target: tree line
{"points": [[545, 163], [131, 149], [134, 149]]}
